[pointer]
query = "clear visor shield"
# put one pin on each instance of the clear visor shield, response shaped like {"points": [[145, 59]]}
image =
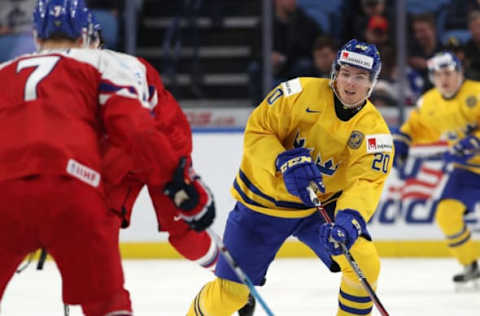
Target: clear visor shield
{"points": [[352, 85], [361, 80]]}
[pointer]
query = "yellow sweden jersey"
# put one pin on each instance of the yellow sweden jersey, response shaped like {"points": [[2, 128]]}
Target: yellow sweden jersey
{"points": [[437, 118], [354, 155]]}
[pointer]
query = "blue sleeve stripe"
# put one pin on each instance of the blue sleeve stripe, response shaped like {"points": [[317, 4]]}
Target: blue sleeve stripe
{"points": [[357, 299], [284, 204], [355, 311], [111, 88], [461, 242], [151, 92]]}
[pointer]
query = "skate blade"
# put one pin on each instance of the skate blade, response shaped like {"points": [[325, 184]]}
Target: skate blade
{"points": [[467, 287]]}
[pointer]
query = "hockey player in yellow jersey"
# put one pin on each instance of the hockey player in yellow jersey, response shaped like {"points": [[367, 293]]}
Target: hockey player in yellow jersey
{"points": [[451, 112], [308, 129]]}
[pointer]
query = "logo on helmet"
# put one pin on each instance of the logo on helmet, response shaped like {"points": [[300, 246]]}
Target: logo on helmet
{"points": [[362, 47], [356, 59]]}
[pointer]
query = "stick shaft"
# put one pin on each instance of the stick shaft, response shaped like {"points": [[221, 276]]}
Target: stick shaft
{"points": [[363, 280], [239, 272]]}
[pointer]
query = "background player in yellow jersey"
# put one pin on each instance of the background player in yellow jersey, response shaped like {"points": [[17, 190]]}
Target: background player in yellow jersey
{"points": [[450, 111], [308, 129]]}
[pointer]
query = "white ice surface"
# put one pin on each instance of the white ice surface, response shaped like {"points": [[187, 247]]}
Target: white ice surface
{"points": [[295, 287]]}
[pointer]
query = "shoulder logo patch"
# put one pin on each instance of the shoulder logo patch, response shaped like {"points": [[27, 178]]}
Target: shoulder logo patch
{"points": [[355, 140], [292, 87], [471, 101], [379, 143]]}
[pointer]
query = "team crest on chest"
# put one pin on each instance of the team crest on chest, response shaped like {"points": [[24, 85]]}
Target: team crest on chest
{"points": [[355, 140], [471, 101], [328, 167], [299, 141]]}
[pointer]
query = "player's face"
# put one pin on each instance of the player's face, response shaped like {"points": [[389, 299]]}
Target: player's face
{"points": [[447, 81], [352, 84]]}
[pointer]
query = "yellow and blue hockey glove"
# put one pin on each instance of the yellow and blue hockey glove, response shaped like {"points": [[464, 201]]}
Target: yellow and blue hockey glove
{"points": [[401, 143], [346, 229], [299, 171], [463, 150], [191, 196]]}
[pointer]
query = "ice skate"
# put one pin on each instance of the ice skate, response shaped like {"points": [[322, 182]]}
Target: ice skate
{"points": [[249, 308], [469, 279]]}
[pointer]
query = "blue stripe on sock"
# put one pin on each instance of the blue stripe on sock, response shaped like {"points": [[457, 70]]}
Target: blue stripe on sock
{"points": [[461, 242], [356, 311], [357, 299], [457, 234]]}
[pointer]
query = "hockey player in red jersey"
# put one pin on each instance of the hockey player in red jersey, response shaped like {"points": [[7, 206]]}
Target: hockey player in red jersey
{"points": [[123, 186], [55, 106]]}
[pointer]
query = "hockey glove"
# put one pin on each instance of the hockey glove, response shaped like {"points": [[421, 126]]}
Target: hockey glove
{"points": [[191, 196], [298, 171], [346, 229], [401, 143], [463, 150]]}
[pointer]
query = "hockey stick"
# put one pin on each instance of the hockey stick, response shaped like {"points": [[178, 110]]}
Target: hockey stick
{"points": [[363, 280], [41, 261], [439, 155], [42, 258], [238, 271]]}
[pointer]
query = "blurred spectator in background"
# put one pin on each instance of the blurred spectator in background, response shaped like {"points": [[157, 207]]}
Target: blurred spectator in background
{"points": [[457, 10], [377, 32], [388, 71], [424, 45], [16, 28], [324, 53], [107, 13], [357, 16], [472, 48], [294, 33], [385, 93]]}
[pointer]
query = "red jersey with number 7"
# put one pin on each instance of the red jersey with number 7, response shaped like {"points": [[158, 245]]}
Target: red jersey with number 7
{"points": [[55, 106]]}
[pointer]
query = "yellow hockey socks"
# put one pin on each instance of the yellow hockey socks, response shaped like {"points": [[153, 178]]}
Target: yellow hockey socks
{"points": [[219, 298], [353, 299], [449, 216]]}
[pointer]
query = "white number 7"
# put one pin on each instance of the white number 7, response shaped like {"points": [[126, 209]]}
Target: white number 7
{"points": [[44, 65]]}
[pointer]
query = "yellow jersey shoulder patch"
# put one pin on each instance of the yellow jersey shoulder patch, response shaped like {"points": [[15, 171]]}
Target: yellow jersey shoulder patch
{"points": [[471, 101], [355, 140], [292, 87], [378, 143]]}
